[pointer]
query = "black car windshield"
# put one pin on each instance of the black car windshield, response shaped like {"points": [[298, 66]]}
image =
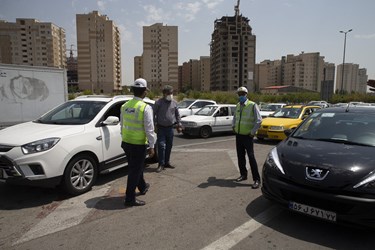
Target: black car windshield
{"points": [[206, 111], [341, 127], [72, 113], [289, 112], [184, 104]]}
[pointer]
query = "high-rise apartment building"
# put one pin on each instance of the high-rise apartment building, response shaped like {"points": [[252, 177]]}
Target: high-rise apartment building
{"points": [[31, 42], [138, 67], [355, 79], [304, 71], [160, 56], [232, 54], [99, 53], [195, 74]]}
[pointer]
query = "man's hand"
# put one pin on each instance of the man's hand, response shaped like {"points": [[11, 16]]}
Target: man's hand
{"points": [[179, 129], [151, 152]]}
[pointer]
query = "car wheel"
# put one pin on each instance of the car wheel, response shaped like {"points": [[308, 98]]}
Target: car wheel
{"points": [[205, 132], [80, 174]]}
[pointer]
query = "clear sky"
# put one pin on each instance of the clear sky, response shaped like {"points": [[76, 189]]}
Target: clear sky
{"points": [[281, 27]]}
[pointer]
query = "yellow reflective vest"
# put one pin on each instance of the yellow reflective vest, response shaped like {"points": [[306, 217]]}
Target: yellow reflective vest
{"points": [[244, 118], [133, 129]]}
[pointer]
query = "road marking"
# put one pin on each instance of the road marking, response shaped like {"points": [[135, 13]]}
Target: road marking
{"points": [[233, 238], [202, 143], [70, 213]]}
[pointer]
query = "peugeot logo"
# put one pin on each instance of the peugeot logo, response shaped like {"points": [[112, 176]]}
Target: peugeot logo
{"points": [[316, 174]]}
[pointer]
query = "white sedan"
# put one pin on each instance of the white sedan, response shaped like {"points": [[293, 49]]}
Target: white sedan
{"points": [[209, 119]]}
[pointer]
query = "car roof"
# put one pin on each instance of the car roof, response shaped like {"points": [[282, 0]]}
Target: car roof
{"points": [[221, 105], [103, 98], [348, 109], [302, 106]]}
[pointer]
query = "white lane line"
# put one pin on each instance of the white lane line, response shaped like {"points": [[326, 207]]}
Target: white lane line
{"points": [[233, 238], [70, 213]]}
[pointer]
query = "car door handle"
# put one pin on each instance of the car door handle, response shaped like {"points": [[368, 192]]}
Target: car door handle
{"points": [[99, 138]]}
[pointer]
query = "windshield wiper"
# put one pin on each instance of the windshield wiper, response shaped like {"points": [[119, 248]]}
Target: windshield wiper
{"points": [[343, 141]]}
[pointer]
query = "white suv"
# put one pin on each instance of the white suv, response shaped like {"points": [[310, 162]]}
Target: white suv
{"points": [[70, 145], [191, 106]]}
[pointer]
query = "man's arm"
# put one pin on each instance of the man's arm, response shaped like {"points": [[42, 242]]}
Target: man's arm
{"points": [[258, 119]]}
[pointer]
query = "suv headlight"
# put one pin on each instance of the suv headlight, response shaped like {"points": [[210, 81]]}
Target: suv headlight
{"points": [[273, 160], [39, 146]]}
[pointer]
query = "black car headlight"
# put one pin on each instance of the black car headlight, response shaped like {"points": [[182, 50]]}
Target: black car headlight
{"points": [[273, 160], [39, 146]]}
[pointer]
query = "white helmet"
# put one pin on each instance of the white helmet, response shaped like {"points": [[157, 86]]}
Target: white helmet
{"points": [[242, 89]]}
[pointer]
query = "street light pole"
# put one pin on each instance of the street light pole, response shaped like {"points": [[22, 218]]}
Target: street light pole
{"points": [[343, 61]]}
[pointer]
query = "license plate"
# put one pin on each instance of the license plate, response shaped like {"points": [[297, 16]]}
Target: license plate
{"points": [[313, 211]]}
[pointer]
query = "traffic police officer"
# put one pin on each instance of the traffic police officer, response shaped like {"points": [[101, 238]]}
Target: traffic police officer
{"points": [[246, 122], [137, 130]]}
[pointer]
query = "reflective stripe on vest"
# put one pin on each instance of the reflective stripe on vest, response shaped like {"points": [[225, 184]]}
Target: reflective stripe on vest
{"points": [[133, 129], [244, 118]]}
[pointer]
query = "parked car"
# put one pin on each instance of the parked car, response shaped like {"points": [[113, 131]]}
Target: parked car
{"points": [[322, 104], [191, 106], [326, 167], [288, 117], [70, 145], [270, 108], [209, 119]]}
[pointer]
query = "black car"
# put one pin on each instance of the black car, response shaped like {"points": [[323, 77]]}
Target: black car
{"points": [[326, 167]]}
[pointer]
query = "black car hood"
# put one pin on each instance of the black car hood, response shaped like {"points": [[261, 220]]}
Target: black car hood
{"points": [[344, 165]]}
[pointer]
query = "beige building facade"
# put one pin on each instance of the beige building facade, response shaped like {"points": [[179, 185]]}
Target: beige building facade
{"points": [[232, 53], [31, 42], [99, 53], [195, 74], [160, 56], [355, 78]]}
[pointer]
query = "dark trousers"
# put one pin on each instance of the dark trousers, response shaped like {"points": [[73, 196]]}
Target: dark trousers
{"points": [[165, 143], [245, 144], [136, 155]]}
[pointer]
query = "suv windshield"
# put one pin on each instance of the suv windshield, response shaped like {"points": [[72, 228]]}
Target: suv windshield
{"points": [[289, 112], [184, 104], [72, 113], [349, 127]]}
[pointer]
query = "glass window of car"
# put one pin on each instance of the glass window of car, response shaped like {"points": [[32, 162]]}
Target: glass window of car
{"points": [[349, 127], [223, 111], [232, 110], [74, 112], [184, 104], [206, 111], [289, 112], [201, 104]]}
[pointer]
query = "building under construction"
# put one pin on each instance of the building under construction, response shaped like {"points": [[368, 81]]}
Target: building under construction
{"points": [[232, 53]]}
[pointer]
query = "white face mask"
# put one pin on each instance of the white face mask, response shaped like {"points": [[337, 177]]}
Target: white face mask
{"points": [[169, 97]]}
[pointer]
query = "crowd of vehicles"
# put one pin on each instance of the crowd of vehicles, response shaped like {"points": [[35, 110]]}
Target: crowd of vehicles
{"points": [[322, 165]]}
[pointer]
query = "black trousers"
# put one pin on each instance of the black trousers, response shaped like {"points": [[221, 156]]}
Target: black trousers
{"points": [[245, 144], [136, 155]]}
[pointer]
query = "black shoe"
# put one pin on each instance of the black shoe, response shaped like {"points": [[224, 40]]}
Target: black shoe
{"points": [[160, 168], [169, 166], [241, 178], [135, 203], [256, 184], [146, 189]]}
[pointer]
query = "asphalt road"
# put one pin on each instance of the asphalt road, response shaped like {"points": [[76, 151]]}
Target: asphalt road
{"points": [[195, 206]]}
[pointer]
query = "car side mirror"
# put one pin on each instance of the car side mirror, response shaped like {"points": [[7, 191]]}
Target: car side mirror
{"points": [[288, 132], [111, 120]]}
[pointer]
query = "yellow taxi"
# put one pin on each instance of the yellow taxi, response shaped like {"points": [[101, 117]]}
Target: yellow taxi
{"points": [[288, 117]]}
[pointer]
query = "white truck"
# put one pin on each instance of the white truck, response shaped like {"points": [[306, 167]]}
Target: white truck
{"points": [[27, 92]]}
